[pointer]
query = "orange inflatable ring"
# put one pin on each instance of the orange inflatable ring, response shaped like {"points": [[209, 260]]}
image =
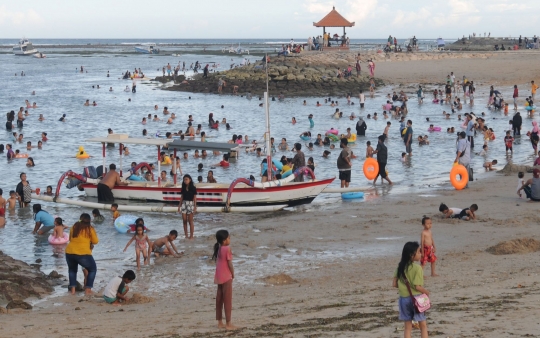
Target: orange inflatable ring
{"points": [[371, 168], [459, 170], [22, 155]]}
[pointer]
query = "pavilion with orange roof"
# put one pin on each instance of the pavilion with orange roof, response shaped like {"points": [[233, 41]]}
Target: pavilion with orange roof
{"points": [[334, 19]]}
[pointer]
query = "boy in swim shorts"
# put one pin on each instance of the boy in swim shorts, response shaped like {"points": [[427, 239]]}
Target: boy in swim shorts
{"points": [[428, 246], [165, 245], [115, 292]]}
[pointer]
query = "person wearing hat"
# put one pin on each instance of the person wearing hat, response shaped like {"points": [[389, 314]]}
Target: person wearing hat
{"points": [[532, 187]]}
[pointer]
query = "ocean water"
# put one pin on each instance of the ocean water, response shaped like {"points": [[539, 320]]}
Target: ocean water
{"points": [[62, 89]]}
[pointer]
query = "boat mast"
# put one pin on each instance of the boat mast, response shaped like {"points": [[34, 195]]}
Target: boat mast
{"points": [[267, 133]]}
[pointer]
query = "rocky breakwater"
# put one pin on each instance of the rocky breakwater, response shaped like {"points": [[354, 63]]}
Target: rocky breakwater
{"points": [[308, 74], [19, 281]]}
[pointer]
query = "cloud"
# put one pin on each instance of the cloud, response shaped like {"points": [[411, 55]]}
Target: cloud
{"points": [[358, 11], [318, 7], [18, 18]]}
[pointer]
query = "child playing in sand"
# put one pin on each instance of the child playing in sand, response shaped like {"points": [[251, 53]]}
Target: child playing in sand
{"points": [[223, 278], [142, 244], [467, 213], [98, 218], [114, 209], [58, 231], [521, 182], [115, 292], [13, 200], [165, 245], [428, 246], [369, 150], [409, 279], [449, 212], [489, 165]]}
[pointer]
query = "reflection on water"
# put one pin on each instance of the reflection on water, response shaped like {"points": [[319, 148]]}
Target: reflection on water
{"points": [[61, 89]]}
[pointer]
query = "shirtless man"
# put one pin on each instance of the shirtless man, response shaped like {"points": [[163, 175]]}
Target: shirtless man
{"points": [[108, 182], [165, 245]]}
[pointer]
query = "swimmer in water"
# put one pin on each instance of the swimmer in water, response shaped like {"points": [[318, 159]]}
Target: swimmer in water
{"points": [[126, 151], [156, 118], [143, 120], [170, 121], [293, 120], [156, 107], [44, 137], [87, 103], [318, 104], [33, 92], [110, 89], [305, 103], [173, 116], [39, 144], [165, 111], [41, 118], [224, 121], [127, 89], [34, 105], [94, 103]]}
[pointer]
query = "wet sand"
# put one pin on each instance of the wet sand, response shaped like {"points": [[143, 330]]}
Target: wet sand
{"points": [[346, 295]]}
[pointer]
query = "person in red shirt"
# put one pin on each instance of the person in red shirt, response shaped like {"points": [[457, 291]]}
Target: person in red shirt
{"points": [[509, 142], [225, 161]]}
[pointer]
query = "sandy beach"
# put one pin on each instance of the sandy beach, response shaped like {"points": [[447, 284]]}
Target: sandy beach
{"points": [[478, 294]]}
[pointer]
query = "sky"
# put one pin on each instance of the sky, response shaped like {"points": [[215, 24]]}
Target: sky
{"points": [[218, 19]]}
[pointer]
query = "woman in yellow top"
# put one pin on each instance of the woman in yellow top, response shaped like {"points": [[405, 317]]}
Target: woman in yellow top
{"points": [[82, 238]]}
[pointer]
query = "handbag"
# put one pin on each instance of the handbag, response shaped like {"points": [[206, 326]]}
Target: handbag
{"points": [[421, 302]]}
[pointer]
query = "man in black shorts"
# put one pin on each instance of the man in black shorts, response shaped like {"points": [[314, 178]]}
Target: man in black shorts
{"points": [[344, 164], [382, 158]]}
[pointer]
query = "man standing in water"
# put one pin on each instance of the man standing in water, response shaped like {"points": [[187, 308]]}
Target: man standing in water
{"points": [[104, 188], [382, 159], [463, 154], [407, 138], [298, 161], [470, 130], [344, 164]]}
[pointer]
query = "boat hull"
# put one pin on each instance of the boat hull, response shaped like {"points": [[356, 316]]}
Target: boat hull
{"points": [[25, 53], [290, 194]]}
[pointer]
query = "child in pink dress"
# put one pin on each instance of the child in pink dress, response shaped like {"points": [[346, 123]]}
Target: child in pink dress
{"points": [[223, 278]]}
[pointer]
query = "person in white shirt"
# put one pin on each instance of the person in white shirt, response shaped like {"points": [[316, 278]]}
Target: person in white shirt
{"points": [[362, 99], [116, 290]]}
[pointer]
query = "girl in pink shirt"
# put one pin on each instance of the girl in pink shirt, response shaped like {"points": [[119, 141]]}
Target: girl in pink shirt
{"points": [[223, 278]]}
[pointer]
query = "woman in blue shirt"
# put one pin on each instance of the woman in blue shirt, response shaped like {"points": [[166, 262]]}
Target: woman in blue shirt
{"points": [[44, 220]]}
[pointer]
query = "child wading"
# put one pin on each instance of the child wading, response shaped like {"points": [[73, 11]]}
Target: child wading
{"points": [[223, 278], [142, 244], [410, 272]]}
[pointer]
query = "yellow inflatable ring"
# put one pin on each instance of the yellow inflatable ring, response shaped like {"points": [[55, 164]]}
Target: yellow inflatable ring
{"points": [[352, 139], [85, 155], [371, 168], [81, 154], [459, 170]]}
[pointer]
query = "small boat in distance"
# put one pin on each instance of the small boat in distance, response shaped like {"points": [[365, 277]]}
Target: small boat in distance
{"points": [[147, 49], [24, 47], [40, 55]]}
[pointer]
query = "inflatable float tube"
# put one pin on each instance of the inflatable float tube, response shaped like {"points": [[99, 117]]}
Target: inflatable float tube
{"points": [[529, 108], [21, 156], [371, 168], [332, 131], [278, 164], [333, 137], [57, 241], [352, 139], [305, 138], [123, 222], [352, 195], [434, 129], [459, 170], [286, 174], [135, 178]]}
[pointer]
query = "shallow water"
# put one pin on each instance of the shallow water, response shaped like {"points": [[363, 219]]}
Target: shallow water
{"points": [[60, 89]]}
